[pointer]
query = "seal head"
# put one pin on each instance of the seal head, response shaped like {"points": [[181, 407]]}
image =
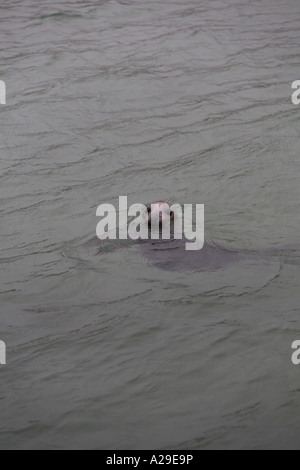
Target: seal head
{"points": [[158, 213]]}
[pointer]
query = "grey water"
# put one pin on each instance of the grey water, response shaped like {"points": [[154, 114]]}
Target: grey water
{"points": [[186, 102]]}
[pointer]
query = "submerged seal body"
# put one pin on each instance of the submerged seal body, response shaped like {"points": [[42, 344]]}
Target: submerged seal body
{"points": [[172, 255]]}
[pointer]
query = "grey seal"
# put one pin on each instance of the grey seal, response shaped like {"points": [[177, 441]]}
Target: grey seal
{"points": [[172, 255]]}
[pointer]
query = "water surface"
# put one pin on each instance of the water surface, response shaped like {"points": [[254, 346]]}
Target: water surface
{"points": [[180, 101]]}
